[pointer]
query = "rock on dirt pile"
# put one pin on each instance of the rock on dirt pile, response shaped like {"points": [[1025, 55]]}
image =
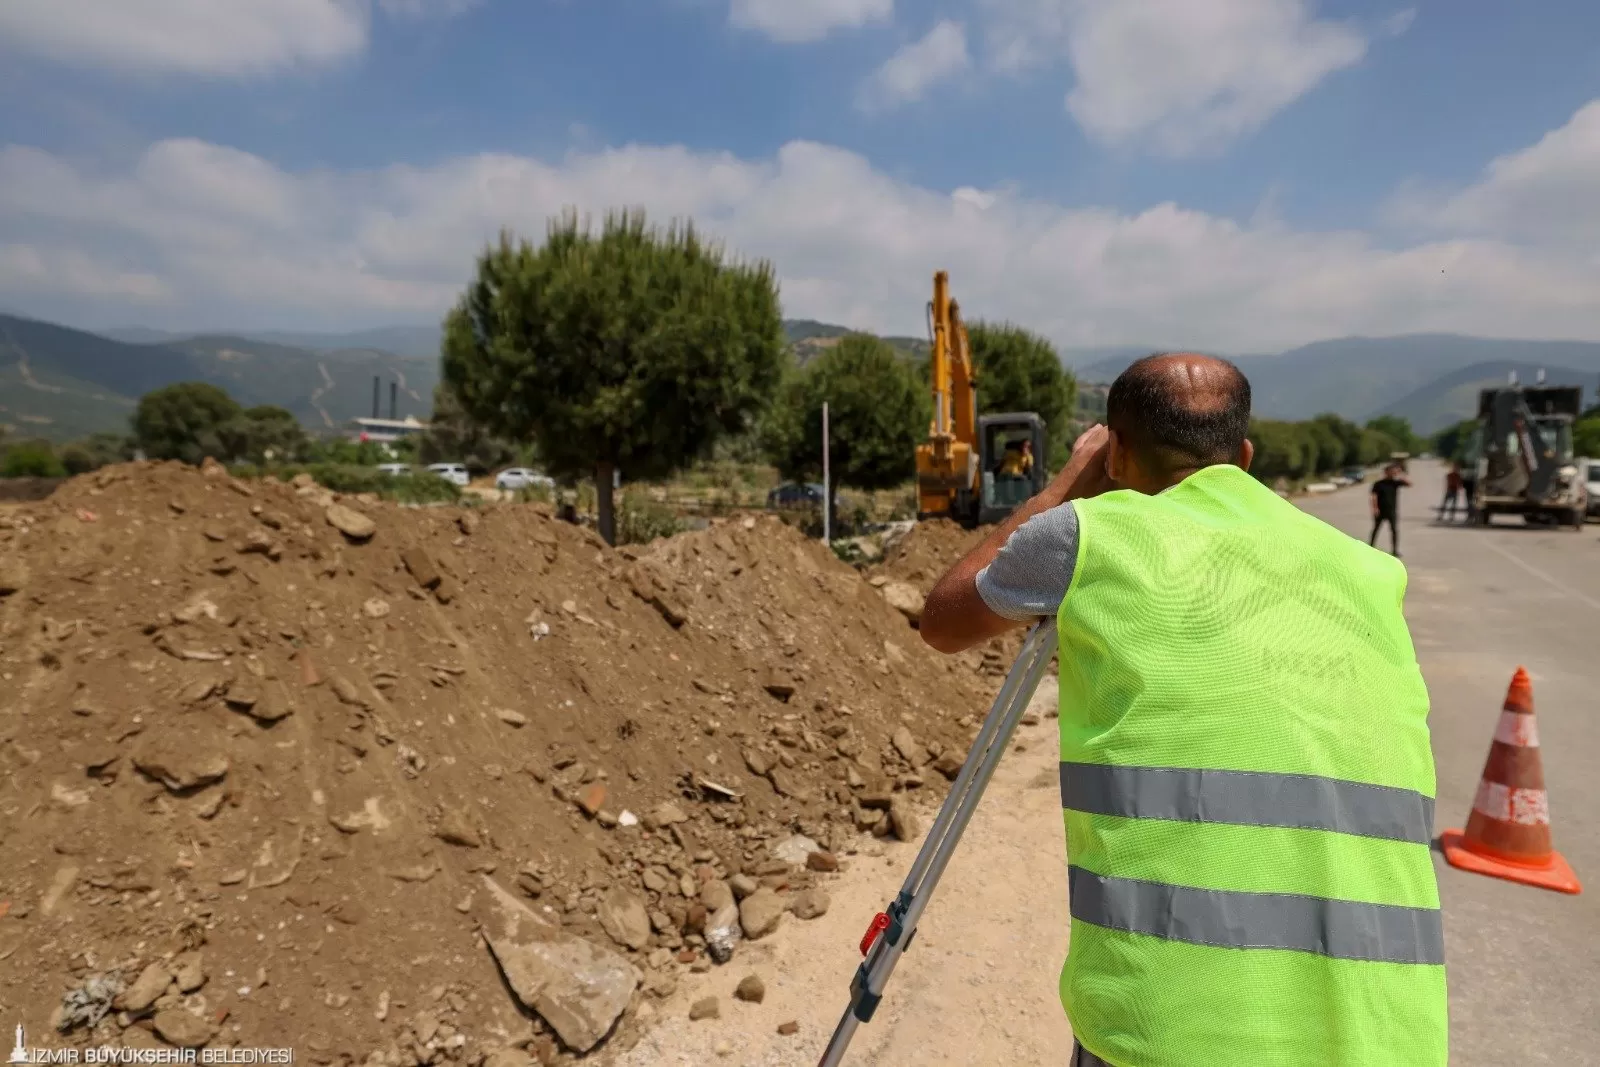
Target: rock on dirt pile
{"points": [[415, 785], [918, 559]]}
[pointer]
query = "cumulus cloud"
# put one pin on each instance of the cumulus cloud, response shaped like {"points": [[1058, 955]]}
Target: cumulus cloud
{"points": [[911, 71], [222, 234], [1179, 77], [1543, 194], [213, 38], [807, 21]]}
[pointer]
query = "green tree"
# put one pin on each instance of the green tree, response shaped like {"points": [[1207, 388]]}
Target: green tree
{"points": [[1348, 435], [184, 421], [1451, 442], [632, 350], [1586, 437], [1399, 431], [1281, 449], [877, 413], [453, 437], [96, 451], [1018, 370], [31, 459], [258, 431]]}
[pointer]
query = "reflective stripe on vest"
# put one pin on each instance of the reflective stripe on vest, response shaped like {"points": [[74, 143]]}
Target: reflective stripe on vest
{"points": [[1248, 798], [1341, 929]]}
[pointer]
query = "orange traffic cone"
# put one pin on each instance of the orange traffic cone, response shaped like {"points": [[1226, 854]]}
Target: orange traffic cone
{"points": [[1508, 832]]}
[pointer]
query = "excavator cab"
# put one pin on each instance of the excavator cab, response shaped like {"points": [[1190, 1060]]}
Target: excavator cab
{"points": [[1011, 450]]}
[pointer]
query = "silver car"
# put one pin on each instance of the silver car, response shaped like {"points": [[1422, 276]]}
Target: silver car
{"points": [[514, 478], [451, 472], [1591, 478]]}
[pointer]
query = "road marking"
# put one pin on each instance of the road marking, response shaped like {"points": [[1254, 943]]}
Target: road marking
{"points": [[1541, 575]]}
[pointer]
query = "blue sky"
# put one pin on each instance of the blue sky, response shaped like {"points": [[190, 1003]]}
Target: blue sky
{"points": [[1231, 173]]}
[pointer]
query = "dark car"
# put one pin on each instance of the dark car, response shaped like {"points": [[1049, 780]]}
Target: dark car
{"points": [[1356, 474], [792, 495]]}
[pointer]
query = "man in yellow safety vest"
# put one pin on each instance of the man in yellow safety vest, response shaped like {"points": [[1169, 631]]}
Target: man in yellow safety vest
{"points": [[1246, 776]]}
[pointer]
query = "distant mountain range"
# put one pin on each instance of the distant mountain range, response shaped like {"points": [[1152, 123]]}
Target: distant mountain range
{"points": [[1430, 379], [62, 383]]}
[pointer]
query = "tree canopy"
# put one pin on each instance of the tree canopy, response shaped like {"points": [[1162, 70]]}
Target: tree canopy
{"points": [[184, 421], [1018, 370], [631, 350], [877, 413]]}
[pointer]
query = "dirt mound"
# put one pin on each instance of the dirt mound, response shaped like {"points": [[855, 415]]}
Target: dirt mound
{"points": [[414, 785], [920, 558]]}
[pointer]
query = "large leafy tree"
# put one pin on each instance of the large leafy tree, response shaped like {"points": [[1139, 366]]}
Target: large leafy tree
{"points": [[630, 350], [1018, 370], [264, 432], [877, 413], [1397, 430], [184, 421]]}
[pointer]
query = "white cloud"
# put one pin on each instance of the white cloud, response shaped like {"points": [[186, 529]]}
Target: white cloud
{"points": [[1545, 194], [214, 38], [807, 21], [911, 71], [228, 237], [1181, 77]]}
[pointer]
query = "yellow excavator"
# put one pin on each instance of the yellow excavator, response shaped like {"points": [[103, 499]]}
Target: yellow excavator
{"points": [[974, 470]]}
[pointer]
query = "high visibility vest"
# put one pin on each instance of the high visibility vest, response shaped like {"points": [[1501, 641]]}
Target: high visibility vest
{"points": [[1248, 789]]}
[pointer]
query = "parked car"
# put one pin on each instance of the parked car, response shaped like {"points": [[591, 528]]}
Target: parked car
{"points": [[1356, 474], [451, 472], [394, 470], [792, 495], [1591, 478], [514, 478]]}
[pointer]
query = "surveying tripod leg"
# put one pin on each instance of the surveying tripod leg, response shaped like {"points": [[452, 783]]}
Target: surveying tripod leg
{"points": [[892, 929]]}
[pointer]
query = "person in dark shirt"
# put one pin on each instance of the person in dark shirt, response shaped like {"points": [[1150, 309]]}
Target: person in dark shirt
{"points": [[1386, 507]]}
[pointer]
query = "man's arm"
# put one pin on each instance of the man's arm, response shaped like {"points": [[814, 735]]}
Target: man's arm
{"points": [[1372, 498], [955, 616]]}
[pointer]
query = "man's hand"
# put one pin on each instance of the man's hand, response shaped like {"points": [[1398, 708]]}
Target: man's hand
{"points": [[955, 618]]}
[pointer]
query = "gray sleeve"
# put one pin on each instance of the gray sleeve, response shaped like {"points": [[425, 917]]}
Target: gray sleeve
{"points": [[1029, 577]]}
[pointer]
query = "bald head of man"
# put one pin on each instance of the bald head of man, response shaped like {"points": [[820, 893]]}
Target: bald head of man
{"points": [[1171, 414]]}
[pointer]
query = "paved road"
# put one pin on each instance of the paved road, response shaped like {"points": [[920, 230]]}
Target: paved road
{"points": [[1524, 964]]}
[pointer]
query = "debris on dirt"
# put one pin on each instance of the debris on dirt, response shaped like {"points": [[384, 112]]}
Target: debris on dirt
{"points": [[904, 598], [705, 1008], [751, 989], [351, 523]]}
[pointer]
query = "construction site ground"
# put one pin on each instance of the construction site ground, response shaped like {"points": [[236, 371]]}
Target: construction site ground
{"points": [[979, 986], [278, 784]]}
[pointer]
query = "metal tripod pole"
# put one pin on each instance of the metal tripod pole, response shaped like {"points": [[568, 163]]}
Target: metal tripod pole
{"points": [[892, 929]]}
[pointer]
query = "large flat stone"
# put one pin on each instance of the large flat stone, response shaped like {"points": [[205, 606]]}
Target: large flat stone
{"points": [[578, 987]]}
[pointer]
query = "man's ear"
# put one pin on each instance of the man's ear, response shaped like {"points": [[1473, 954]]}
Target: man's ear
{"points": [[1247, 452], [1116, 458]]}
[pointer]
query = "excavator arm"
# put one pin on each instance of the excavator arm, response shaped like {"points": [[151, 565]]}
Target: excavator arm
{"points": [[947, 463]]}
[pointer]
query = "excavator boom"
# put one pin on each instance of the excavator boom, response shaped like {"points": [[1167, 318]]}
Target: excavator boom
{"points": [[955, 465]]}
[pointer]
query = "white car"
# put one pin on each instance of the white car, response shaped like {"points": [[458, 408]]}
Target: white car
{"points": [[394, 470], [1589, 470], [451, 472], [514, 478]]}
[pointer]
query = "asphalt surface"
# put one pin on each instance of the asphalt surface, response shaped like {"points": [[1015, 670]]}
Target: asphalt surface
{"points": [[1523, 964]]}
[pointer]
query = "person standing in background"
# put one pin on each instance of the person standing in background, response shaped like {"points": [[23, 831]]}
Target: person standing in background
{"points": [[1452, 492], [1386, 507]]}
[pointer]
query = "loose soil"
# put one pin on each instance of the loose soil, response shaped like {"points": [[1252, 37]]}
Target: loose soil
{"points": [[256, 766]]}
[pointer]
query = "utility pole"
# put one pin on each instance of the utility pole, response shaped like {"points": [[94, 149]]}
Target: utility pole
{"points": [[827, 486]]}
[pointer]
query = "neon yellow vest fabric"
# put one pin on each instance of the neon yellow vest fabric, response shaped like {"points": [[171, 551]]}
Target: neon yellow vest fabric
{"points": [[1248, 789]]}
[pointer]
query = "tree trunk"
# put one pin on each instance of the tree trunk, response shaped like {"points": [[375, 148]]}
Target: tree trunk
{"points": [[606, 501]]}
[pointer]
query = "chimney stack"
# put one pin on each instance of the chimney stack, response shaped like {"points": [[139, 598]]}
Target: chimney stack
{"points": [[394, 398], [374, 396]]}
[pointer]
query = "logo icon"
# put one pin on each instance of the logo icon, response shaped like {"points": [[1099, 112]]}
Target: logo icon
{"points": [[19, 1051]]}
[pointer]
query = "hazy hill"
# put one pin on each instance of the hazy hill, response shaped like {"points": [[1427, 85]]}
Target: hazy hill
{"points": [[1454, 396], [418, 342], [61, 383], [1360, 377]]}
